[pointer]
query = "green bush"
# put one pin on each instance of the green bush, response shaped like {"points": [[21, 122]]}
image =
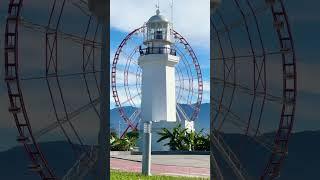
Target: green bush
{"points": [[126, 143], [183, 140]]}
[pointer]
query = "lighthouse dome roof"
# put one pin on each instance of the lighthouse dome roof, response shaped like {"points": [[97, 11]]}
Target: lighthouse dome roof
{"points": [[158, 18]]}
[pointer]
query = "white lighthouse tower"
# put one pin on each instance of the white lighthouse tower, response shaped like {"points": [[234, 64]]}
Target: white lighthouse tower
{"points": [[157, 61]]}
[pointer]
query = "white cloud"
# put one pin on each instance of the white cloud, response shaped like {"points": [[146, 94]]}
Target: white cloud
{"points": [[190, 17]]}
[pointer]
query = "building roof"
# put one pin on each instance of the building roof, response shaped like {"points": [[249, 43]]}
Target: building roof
{"points": [[158, 18]]}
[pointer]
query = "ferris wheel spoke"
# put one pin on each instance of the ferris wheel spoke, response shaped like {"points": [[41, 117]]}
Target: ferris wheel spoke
{"points": [[188, 103], [187, 65], [226, 111], [247, 90], [234, 119], [135, 116], [132, 124], [252, 49], [183, 88], [180, 76], [63, 129], [258, 138], [55, 75], [127, 72], [182, 96], [189, 78], [127, 85], [183, 80], [240, 22], [214, 167], [66, 36], [126, 77], [187, 68], [82, 5], [87, 56], [182, 113], [245, 58], [138, 80], [130, 58], [129, 99], [71, 116], [229, 156], [83, 166]]}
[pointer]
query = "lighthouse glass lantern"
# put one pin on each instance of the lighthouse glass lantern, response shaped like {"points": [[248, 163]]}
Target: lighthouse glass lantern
{"points": [[158, 28], [157, 37]]}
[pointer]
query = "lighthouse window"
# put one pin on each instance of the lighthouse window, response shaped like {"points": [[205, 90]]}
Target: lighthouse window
{"points": [[158, 35]]}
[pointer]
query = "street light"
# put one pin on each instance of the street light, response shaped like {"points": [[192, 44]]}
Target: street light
{"points": [[146, 152]]}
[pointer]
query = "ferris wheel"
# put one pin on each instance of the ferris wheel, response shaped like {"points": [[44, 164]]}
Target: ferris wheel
{"points": [[51, 59], [254, 88]]}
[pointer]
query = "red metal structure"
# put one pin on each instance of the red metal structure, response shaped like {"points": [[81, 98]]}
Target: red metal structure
{"points": [[17, 108], [241, 69], [29, 137]]}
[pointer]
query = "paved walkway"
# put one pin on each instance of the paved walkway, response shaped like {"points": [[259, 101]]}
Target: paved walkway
{"points": [[176, 165]]}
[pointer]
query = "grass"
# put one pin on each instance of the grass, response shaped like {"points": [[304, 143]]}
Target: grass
{"points": [[119, 175]]}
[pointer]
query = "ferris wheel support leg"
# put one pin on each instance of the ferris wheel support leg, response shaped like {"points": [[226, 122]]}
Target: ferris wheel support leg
{"points": [[216, 171], [104, 155]]}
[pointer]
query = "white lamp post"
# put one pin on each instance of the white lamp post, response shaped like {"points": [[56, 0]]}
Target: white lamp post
{"points": [[146, 156]]}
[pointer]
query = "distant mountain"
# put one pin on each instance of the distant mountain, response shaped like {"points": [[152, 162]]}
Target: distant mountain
{"points": [[302, 162], [203, 120]]}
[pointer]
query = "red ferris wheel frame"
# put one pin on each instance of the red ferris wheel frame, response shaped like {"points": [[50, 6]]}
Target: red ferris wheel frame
{"points": [[281, 24], [17, 108]]}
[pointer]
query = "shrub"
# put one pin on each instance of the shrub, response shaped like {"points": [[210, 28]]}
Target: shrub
{"points": [[184, 140], [126, 143]]}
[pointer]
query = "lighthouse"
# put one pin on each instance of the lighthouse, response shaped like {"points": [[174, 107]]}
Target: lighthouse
{"points": [[157, 61]]}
